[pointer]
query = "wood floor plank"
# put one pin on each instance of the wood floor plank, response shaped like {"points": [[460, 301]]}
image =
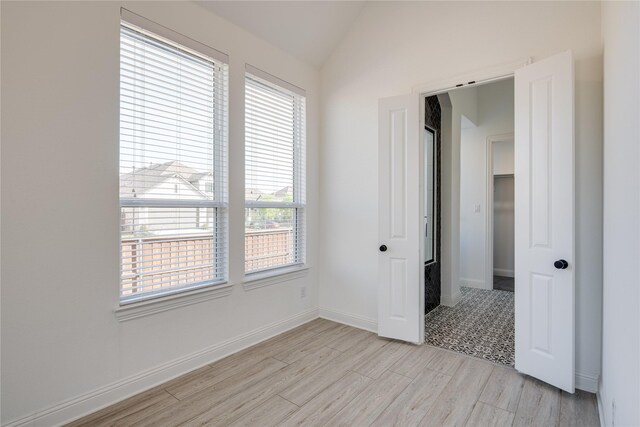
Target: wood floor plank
{"points": [[415, 401], [484, 415], [202, 401], [578, 410], [290, 334], [539, 405], [375, 365], [503, 389], [218, 371], [415, 361], [135, 407], [269, 414], [192, 383], [369, 404], [313, 384], [186, 378], [257, 393], [320, 325], [353, 337], [282, 342], [455, 403], [319, 410], [321, 339], [445, 361], [338, 334]]}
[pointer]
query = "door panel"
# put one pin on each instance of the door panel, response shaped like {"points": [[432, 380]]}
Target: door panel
{"points": [[398, 173], [544, 220], [400, 290], [398, 294]]}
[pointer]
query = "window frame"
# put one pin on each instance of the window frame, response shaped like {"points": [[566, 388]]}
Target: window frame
{"points": [[298, 204], [195, 291]]}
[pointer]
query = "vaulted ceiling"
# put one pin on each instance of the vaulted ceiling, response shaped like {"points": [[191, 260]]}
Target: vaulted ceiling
{"points": [[309, 30]]}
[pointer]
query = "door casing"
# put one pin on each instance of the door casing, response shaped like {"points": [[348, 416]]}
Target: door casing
{"points": [[451, 166]]}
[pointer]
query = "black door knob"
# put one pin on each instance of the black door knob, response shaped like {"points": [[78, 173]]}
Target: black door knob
{"points": [[383, 248], [561, 264]]}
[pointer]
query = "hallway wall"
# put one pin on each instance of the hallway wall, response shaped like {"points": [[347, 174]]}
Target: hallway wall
{"points": [[494, 117]]}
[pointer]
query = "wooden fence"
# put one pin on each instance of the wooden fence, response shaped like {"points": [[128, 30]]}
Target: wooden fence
{"points": [[156, 262]]}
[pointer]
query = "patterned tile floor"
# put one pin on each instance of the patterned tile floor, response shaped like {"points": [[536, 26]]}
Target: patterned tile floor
{"points": [[503, 283], [480, 325]]}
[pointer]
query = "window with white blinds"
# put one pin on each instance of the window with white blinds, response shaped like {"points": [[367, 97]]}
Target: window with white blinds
{"points": [[173, 164], [274, 173]]}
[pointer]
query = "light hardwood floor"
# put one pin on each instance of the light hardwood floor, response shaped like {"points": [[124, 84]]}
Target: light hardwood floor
{"points": [[325, 373]]}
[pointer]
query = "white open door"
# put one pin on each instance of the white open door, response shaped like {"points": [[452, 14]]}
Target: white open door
{"points": [[544, 220], [401, 283]]}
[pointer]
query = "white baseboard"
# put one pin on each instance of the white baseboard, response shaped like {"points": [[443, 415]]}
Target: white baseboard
{"points": [[450, 301], [354, 320], [503, 272], [474, 283], [587, 382], [72, 409]]}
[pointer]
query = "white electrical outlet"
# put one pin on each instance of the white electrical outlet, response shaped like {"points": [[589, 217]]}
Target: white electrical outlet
{"points": [[303, 292]]}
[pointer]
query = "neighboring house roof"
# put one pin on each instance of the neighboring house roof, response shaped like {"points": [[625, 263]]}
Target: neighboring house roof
{"points": [[253, 194], [198, 176], [284, 191], [257, 194], [144, 180]]}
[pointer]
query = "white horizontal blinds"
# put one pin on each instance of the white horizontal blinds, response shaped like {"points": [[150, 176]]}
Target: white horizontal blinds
{"points": [[173, 166], [274, 173], [300, 187]]}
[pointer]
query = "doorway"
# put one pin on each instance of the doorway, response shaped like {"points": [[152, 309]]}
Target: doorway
{"points": [[500, 214], [503, 238], [544, 147], [481, 321]]}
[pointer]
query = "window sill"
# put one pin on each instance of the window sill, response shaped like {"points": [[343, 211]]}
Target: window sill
{"points": [[262, 279], [158, 305]]}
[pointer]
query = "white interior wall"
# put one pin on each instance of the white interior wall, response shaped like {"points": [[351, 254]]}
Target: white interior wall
{"points": [[465, 100], [449, 206], [503, 158], [494, 117], [459, 110], [63, 351], [389, 51], [620, 388]]}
